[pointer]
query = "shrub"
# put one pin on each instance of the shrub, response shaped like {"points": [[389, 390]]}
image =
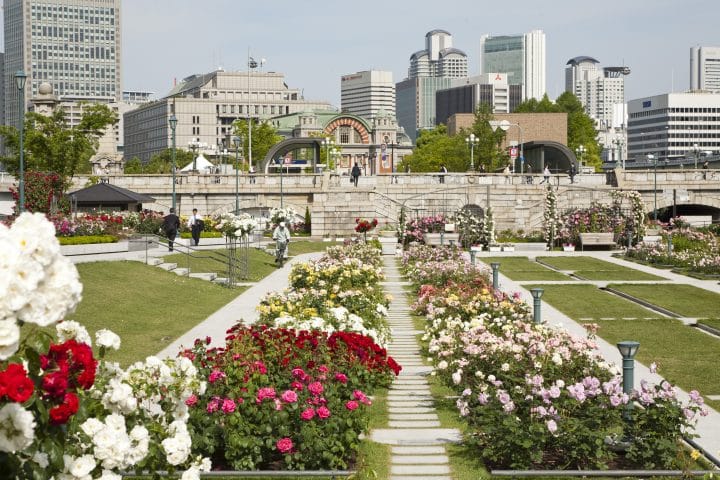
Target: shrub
{"points": [[86, 239]]}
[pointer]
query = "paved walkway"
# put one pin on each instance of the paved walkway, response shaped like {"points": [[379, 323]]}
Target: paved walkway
{"points": [[708, 427], [418, 450]]}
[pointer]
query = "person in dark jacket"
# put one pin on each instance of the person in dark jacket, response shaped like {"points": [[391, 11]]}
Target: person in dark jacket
{"points": [[171, 226], [355, 174]]}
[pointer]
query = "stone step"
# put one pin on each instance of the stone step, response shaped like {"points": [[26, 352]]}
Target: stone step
{"points": [[414, 424], [220, 280], [404, 410], [419, 470], [181, 271], [420, 477], [209, 277], [154, 261], [416, 436], [167, 266], [420, 460], [432, 450], [405, 389], [412, 417]]}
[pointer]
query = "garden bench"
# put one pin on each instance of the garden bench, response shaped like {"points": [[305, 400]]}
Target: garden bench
{"points": [[597, 239]]}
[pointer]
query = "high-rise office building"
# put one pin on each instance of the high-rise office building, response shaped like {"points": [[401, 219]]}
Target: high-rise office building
{"points": [[366, 93], [430, 70], [522, 57], [705, 68], [599, 90], [74, 45], [466, 94]]}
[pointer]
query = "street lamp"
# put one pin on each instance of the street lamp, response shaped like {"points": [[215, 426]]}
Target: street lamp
{"points": [[472, 141], [195, 145], [237, 141], [329, 145], [619, 142], [504, 125], [173, 125], [252, 65], [279, 161], [652, 157], [696, 149], [20, 79], [495, 269], [580, 151], [537, 294], [628, 350]]}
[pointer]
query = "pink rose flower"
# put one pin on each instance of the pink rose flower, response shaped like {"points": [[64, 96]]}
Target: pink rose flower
{"points": [[191, 400], [323, 412], [316, 388], [341, 377], [213, 405], [216, 375], [297, 386], [307, 414], [298, 372], [260, 366], [284, 445], [289, 396], [228, 406], [265, 392], [323, 369], [352, 405]]}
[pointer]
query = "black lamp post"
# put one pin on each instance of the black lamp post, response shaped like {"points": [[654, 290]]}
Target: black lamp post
{"points": [[20, 79], [173, 125], [537, 293], [628, 350], [237, 141]]}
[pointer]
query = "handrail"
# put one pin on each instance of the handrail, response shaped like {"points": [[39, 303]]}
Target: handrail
{"points": [[261, 474]]}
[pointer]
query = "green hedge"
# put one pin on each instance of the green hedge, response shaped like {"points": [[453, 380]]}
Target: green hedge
{"points": [[86, 239]]}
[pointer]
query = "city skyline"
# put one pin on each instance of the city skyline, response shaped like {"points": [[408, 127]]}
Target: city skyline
{"points": [[167, 40]]}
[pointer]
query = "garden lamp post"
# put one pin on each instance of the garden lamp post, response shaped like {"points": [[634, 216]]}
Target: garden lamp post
{"points": [[279, 161], [581, 151], [495, 268], [696, 150], [537, 293], [652, 157], [173, 125], [628, 350], [472, 142], [196, 145], [237, 141], [20, 79], [472, 256], [328, 143]]}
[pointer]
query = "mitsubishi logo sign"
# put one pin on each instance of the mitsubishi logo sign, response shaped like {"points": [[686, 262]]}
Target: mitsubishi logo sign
{"points": [[498, 77]]}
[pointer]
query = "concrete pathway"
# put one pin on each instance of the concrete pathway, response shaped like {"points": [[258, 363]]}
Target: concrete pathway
{"points": [[708, 428], [418, 450]]}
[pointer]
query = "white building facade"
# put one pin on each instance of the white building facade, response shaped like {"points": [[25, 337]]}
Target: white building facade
{"points": [[674, 126], [206, 105], [522, 57], [705, 68], [367, 93]]}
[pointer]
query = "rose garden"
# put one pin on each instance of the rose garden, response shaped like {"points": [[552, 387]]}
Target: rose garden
{"points": [[303, 387]]}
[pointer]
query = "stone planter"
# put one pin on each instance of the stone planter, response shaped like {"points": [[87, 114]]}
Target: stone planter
{"points": [[94, 248], [508, 248], [436, 239], [494, 248], [388, 233], [388, 245], [568, 248]]}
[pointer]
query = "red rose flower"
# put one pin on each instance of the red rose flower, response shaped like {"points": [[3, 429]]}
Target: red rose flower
{"points": [[60, 414]]}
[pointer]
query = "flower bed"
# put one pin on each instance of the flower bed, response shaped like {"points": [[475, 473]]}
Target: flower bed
{"points": [[536, 396]]}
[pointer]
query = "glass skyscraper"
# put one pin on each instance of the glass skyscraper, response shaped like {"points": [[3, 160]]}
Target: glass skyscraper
{"points": [[522, 57]]}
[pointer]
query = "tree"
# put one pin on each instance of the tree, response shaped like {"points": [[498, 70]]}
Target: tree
{"points": [[51, 145], [162, 162], [434, 148], [488, 149], [264, 136]]}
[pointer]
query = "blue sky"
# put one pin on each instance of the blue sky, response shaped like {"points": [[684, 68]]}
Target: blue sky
{"points": [[315, 42]]}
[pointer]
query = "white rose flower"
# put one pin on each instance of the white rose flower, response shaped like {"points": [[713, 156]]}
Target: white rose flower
{"points": [[79, 467], [9, 338], [91, 426], [41, 459], [17, 428], [108, 475], [106, 338], [72, 330]]}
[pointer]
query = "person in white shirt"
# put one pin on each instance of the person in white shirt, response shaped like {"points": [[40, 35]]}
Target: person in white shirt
{"points": [[281, 235], [546, 175], [195, 224]]}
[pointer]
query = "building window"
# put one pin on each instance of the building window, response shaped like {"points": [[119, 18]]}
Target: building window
{"points": [[345, 135]]}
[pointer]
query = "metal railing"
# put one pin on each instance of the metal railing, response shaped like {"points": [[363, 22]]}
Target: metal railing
{"points": [[333, 474]]}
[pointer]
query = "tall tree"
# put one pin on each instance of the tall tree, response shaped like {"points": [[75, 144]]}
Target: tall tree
{"points": [[264, 136], [434, 148], [488, 151], [51, 145]]}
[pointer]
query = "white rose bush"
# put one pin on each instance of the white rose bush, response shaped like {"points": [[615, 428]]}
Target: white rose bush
{"points": [[533, 395], [64, 413]]}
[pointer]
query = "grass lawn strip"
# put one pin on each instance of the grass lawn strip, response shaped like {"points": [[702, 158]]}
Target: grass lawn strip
{"points": [[684, 300], [595, 269], [587, 301], [146, 306], [713, 323], [684, 355], [522, 269]]}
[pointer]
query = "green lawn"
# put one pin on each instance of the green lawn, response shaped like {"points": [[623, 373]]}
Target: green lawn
{"points": [[684, 300], [685, 355], [521, 268], [595, 269], [260, 263], [589, 302], [146, 306], [711, 322]]}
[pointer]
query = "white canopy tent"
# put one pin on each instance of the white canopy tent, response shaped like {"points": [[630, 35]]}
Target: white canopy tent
{"points": [[202, 165]]}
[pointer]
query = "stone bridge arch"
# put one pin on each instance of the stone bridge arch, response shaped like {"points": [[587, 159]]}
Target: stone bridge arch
{"points": [[696, 203], [279, 150]]}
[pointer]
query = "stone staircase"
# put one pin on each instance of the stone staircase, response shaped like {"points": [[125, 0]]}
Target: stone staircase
{"points": [[414, 431], [181, 271]]}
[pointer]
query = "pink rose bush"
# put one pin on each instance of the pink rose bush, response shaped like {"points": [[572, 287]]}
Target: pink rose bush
{"points": [[535, 395], [294, 394]]}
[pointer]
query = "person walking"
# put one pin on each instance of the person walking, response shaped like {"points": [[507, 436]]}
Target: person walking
{"points": [[705, 168], [506, 172], [171, 226], [281, 235], [546, 175], [355, 174], [196, 225], [251, 174], [529, 178], [443, 171], [572, 173]]}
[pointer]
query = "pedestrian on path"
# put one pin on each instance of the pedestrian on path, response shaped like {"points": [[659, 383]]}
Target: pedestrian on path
{"points": [[355, 174], [572, 172], [251, 173], [171, 226], [705, 169], [443, 170], [196, 225], [546, 175], [529, 178]]}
